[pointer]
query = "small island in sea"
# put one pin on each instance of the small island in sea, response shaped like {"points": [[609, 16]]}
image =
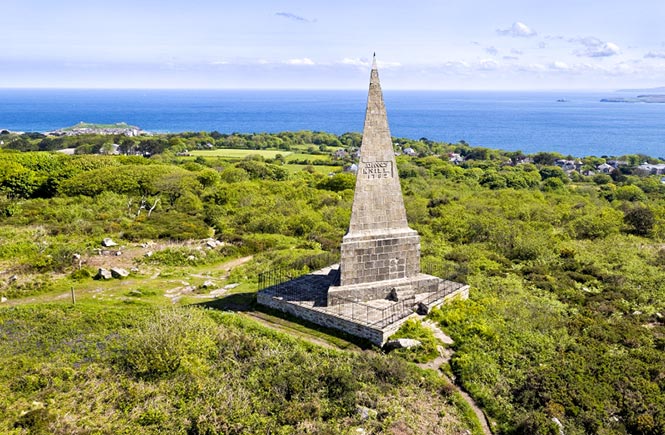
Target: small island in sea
{"points": [[650, 98], [105, 129]]}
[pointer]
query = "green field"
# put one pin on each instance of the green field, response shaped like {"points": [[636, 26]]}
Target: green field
{"points": [[319, 169], [305, 156], [238, 153]]}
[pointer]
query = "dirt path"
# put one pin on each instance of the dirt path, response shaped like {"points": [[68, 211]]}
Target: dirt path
{"points": [[445, 353], [175, 293]]}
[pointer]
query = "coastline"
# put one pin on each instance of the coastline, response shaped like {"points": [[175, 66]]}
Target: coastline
{"points": [[509, 120]]}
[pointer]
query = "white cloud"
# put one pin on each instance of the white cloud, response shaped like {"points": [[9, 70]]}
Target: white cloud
{"points": [[655, 55], [456, 64], [387, 65], [303, 61], [488, 65], [560, 66], [532, 67], [359, 62], [365, 63], [510, 58], [492, 50], [516, 52], [594, 47], [517, 30]]}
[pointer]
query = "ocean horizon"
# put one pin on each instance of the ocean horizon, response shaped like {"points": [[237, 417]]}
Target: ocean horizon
{"points": [[573, 123]]}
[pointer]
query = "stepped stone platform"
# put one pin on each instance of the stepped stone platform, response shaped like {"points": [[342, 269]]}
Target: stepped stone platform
{"points": [[307, 297]]}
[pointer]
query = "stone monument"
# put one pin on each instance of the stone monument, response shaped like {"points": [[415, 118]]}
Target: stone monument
{"points": [[377, 285], [380, 254]]}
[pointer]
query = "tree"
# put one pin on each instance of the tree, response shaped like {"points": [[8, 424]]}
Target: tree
{"points": [[602, 179], [338, 182], [553, 172], [546, 159], [640, 219], [630, 193]]}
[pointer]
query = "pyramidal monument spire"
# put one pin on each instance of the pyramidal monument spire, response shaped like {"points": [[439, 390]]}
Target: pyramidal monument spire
{"points": [[379, 253], [377, 205]]}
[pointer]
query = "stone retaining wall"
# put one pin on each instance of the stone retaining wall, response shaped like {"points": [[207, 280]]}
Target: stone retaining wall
{"points": [[374, 335]]}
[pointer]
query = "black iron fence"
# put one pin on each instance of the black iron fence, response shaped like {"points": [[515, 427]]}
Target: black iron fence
{"points": [[296, 269], [362, 312], [353, 309]]}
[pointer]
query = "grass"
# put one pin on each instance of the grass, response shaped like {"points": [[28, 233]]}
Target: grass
{"points": [[304, 156], [468, 415], [319, 169], [231, 153]]}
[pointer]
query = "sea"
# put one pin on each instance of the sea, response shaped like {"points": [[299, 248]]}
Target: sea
{"points": [[571, 123]]}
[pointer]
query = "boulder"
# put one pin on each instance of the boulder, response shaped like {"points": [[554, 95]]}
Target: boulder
{"points": [[119, 273], [559, 424], [208, 284], [13, 278], [402, 343], [365, 413], [103, 274], [3, 300], [107, 243], [422, 309], [213, 243]]}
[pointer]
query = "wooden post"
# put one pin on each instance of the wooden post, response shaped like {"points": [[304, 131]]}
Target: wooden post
{"points": [[73, 297]]}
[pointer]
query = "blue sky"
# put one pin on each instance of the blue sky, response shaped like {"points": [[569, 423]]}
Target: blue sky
{"points": [[261, 44]]}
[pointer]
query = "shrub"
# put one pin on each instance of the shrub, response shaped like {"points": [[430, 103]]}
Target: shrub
{"points": [[36, 421], [640, 219], [427, 351], [167, 341]]}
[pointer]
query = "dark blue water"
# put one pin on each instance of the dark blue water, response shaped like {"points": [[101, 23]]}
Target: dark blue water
{"points": [[527, 121]]}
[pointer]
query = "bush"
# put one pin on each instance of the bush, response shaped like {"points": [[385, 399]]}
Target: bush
{"points": [[167, 341], [640, 219], [414, 329], [36, 421]]}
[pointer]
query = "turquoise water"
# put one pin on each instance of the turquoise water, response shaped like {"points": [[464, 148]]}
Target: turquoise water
{"points": [[527, 121]]}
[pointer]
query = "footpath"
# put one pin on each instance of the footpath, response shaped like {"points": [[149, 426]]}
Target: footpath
{"points": [[445, 354]]}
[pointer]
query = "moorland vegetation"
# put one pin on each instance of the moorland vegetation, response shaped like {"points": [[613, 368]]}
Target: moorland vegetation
{"points": [[564, 328]]}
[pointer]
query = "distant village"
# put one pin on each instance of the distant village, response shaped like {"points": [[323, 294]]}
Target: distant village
{"points": [[567, 165], [82, 128], [350, 153]]}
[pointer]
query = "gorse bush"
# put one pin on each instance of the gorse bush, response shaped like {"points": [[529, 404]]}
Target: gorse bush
{"points": [[183, 256], [187, 370], [167, 341]]}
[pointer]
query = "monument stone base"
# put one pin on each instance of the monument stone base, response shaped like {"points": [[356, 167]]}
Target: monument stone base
{"points": [[393, 289], [369, 257], [375, 320]]}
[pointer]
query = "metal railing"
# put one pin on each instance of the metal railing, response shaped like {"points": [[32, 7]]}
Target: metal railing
{"points": [[285, 283], [362, 312], [296, 269]]}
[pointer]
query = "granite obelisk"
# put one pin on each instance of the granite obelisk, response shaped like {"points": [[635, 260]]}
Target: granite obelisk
{"points": [[379, 253]]}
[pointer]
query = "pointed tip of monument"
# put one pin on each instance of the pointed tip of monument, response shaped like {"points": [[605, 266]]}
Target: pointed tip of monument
{"points": [[374, 61]]}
